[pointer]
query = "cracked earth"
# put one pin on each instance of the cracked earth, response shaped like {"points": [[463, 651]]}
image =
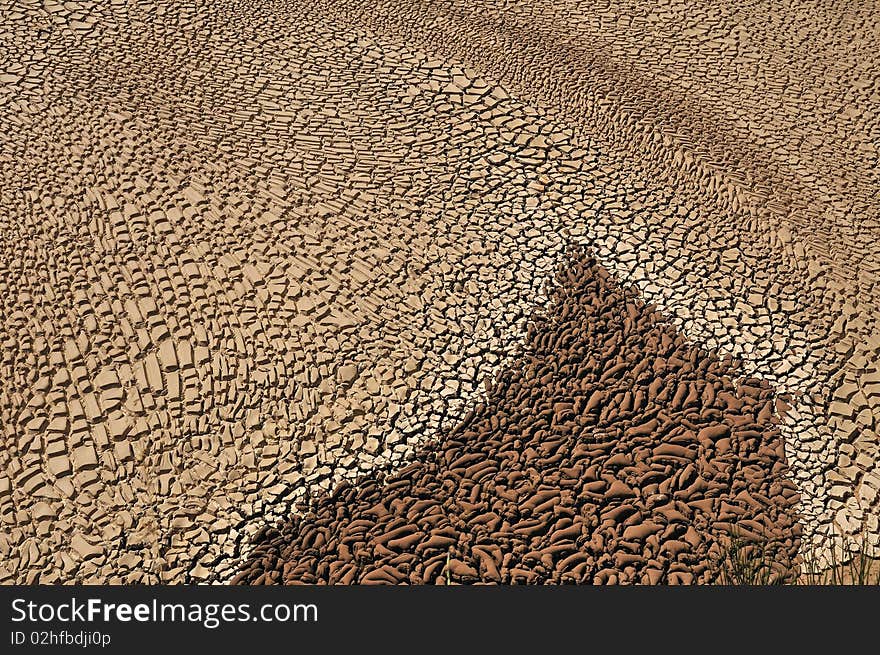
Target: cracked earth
{"points": [[504, 291]]}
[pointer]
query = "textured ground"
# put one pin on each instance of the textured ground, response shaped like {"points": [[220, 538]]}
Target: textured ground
{"points": [[250, 251], [610, 450]]}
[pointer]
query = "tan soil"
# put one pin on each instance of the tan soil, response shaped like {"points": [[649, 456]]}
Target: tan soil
{"points": [[610, 451], [249, 252]]}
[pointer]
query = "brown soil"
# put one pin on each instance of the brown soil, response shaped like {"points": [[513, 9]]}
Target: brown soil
{"points": [[251, 250], [610, 450]]}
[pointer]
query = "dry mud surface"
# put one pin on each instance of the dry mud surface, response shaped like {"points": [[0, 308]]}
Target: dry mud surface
{"points": [[610, 450], [268, 258]]}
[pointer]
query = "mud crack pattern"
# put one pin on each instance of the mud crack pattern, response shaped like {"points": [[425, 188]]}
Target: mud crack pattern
{"points": [[610, 451], [253, 250]]}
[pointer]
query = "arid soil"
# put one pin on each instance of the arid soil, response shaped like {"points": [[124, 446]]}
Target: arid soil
{"points": [[250, 252], [610, 451]]}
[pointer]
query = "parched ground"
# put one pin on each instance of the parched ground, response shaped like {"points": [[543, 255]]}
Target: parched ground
{"points": [[609, 451], [255, 255]]}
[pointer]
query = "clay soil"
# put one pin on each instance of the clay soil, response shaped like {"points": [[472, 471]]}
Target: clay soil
{"points": [[609, 451], [464, 290]]}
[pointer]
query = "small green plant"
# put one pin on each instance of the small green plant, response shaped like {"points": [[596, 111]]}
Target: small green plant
{"points": [[751, 562], [857, 569], [747, 562]]}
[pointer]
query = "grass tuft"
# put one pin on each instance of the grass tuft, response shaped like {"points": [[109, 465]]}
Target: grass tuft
{"points": [[747, 563], [751, 562], [850, 563]]}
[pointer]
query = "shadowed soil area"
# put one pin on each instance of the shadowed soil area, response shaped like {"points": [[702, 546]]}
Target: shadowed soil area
{"points": [[609, 451]]}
